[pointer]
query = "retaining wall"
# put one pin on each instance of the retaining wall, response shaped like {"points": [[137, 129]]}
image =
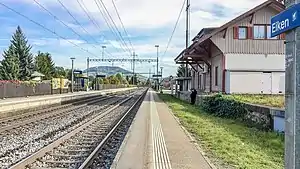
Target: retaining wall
{"points": [[269, 116]]}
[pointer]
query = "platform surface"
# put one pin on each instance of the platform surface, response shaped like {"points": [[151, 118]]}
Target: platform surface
{"points": [[156, 141], [46, 97]]}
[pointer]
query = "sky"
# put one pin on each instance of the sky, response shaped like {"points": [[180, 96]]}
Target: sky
{"points": [[70, 31]]}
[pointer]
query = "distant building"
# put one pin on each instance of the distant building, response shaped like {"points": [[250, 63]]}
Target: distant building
{"points": [[240, 56], [37, 76]]}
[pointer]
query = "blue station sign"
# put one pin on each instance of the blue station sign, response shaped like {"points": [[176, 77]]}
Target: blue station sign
{"points": [[286, 20]]}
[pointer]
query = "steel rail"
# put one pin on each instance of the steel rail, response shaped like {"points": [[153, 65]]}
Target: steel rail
{"points": [[32, 158], [93, 155], [53, 114]]}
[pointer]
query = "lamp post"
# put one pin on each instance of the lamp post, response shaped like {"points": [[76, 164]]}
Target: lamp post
{"points": [[72, 78], [157, 46], [103, 47], [161, 72]]}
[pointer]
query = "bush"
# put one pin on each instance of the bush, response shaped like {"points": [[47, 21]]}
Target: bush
{"points": [[227, 107], [223, 106]]}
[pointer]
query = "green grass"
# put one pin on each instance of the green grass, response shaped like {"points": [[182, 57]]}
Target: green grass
{"points": [[229, 141], [267, 100]]}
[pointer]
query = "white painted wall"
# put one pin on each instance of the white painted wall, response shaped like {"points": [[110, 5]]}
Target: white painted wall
{"points": [[254, 82], [217, 61], [254, 62]]}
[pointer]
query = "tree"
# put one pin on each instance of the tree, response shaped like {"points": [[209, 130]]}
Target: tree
{"points": [[119, 76], [44, 64], [105, 81], [60, 72], [9, 68], [114, 80], [181, 71], [22, 51]]}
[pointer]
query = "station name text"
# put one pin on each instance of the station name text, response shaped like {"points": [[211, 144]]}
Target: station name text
{"points": [[280, 25]]}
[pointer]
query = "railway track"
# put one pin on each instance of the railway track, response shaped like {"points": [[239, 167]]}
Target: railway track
{"points": [[80, 145], [20, 141], [17, 119]]}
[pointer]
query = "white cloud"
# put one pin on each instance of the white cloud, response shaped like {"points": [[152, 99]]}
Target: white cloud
{"points": [[145, 16]]}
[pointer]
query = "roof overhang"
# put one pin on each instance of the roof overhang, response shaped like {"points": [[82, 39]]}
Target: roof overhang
{"points": [[194, 54]]}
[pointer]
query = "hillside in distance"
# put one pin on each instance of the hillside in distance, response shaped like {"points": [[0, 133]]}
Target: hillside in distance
{"points": [[109, 70]]}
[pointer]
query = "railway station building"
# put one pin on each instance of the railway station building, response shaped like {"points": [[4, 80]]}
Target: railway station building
{"points": [[239, 56]]}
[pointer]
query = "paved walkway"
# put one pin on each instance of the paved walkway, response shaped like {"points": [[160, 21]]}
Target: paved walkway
{"points": [[155, 140]]}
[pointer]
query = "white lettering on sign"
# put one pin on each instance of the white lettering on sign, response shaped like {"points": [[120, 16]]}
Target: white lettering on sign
{"points": [[278, 26]]}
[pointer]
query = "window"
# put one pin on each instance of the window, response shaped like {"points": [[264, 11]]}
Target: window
{"points": [[269, 33], [242, 33], [216, 75], [259, 31]]}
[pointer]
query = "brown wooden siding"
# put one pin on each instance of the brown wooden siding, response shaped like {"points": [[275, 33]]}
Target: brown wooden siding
{"points": [[250, 46]]}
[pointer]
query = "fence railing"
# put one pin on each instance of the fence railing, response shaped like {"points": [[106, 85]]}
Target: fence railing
{"points": [[10, 89]]}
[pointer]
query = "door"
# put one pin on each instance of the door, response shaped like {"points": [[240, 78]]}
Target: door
{"points": [[266, 83]]}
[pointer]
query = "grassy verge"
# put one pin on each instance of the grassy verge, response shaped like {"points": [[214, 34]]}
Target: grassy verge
{"points": [[267, 100], [230, 141]]}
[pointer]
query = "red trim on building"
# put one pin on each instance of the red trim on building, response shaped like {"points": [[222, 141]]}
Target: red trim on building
{"points": [[223, 73]]}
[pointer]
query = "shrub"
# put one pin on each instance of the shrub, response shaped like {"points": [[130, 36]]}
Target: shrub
{"points": [[228, 107], [223, 106]]}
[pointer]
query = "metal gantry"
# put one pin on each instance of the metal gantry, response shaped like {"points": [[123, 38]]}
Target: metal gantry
{"points": [[133, 61]]}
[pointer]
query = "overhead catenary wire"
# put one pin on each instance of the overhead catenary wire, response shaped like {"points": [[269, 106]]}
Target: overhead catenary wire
{"points": [[49, 30], [110, 27], [115, 26], [77, 22], [177, 21], [117, 12], [82, 6], [55, 17]]}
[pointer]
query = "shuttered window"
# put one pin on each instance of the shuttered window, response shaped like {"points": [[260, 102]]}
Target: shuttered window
{"points": [[240, 32]]}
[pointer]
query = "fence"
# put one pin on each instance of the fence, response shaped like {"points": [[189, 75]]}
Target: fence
{"points": [[10, 89]]}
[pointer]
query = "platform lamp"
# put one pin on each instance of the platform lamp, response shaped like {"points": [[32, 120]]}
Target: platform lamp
{"points": [[157, 46], [72, 78]]}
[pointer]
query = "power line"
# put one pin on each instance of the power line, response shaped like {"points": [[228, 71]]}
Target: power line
{"points": [[111, 28], [82, 6], [55, 17], [42, 26], [174, 28], [114, 24], [122, 23], [77, 22]]}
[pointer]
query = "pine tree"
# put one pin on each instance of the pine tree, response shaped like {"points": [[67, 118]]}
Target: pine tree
{"points": [[181, 71], [22, 51], [9, 68], [44, 64]]}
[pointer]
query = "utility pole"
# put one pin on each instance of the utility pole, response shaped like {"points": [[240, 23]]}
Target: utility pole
{"points": [[87, 71], [72, 78], [161, 71], [288, 22], [149, 77], [187, 38], [133, 67], [103, 47], [292, 95], [157, 86]]}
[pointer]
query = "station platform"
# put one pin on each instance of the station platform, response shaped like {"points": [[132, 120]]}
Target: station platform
{"points": [[12, 105], [156, 140]]}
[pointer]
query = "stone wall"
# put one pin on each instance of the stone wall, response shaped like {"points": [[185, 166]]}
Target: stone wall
{"points": [[265, 116]]}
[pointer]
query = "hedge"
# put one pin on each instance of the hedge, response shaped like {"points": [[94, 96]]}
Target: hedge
{"points": [[227, 107]]}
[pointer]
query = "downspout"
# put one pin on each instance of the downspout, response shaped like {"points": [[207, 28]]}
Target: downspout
{"points": [[210, 68], [224, 74]]}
